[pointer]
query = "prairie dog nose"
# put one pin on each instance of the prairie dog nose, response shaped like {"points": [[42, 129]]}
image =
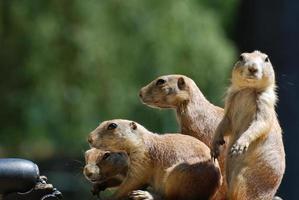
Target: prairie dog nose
{"points": [[140, 93], [252, 69], [91, 171], [87, 172]]}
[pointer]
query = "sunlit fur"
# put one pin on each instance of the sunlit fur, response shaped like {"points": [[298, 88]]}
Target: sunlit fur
{"points": [[108, 172], [196, 115], [178, 167], [256, 163]]}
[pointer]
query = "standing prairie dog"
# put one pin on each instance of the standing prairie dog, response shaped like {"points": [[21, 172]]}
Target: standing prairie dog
{"points": [[256, 161], [105, 169], [196, 115], [178, 167]]}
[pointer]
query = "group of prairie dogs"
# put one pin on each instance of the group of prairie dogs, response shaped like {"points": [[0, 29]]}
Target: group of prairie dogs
{"points": [[245, 138]]}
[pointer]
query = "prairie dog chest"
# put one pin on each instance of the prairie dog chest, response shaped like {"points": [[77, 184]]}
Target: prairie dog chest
{"points": [[242, 110]]}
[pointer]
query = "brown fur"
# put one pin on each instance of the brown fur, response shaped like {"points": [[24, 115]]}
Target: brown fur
{"points": [[178, 167], [105, 169], [256, 163], [196, 115]]}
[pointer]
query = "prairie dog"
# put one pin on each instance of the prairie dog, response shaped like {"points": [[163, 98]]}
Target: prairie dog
{"points": [[176, 166], [105, 169], [196, 115], [256, 161]]}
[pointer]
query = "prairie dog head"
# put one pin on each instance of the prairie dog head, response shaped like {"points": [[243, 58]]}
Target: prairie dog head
{"points": [[101, 165], [253, 70], [168, 91], [117, 134]]}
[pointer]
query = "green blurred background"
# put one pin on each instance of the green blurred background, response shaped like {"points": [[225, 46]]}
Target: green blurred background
{"points": [[68, 65]]}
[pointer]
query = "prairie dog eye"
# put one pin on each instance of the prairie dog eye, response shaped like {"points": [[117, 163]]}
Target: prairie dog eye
{"points": [[267, 59], [241, 58], [106, 155], [112, 126], [160, 82]]}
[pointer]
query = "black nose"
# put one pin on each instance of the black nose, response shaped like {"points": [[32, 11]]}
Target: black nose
{"points": [[140, 94], [89, 139], [252, 69], [88, 173]]}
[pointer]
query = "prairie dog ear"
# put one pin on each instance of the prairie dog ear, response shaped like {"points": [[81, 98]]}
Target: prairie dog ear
{"points": [[133, 125], [181, 83]]}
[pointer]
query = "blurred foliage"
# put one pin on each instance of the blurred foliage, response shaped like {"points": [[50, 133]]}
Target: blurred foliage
{"points": [[68, 65]]}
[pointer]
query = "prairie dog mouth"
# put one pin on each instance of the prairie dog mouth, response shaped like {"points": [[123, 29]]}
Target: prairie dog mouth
{"points": [[152, 104], [251, 76], [94, 180]]}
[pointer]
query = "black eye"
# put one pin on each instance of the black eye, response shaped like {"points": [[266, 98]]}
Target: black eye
{"points": [[267, 59], [160, 82], [241, 58], [106, 155], [112, 126]]}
